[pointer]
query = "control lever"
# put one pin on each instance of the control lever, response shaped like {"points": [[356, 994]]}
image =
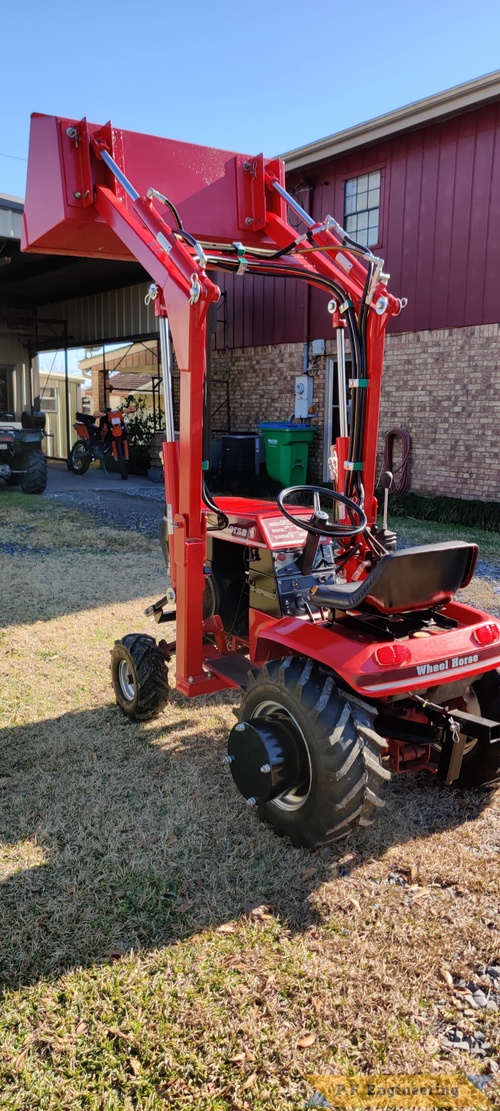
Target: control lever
{"points": [[386, 480], [383, 535]]}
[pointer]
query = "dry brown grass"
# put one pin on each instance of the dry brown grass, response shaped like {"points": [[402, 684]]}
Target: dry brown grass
{"points": [[160, 947]]}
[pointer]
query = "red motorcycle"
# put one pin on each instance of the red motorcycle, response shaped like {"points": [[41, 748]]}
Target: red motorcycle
{"points": [[99, 437]]}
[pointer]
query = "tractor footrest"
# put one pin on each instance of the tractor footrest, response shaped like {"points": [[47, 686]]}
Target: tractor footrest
{"points": [[236, 669]]}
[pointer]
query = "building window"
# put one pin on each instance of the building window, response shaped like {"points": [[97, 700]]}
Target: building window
{"points": [[362, 208], [49, 399]]}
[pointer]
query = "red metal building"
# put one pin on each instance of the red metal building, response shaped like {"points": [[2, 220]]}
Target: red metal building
{"points": [[421, 186]]}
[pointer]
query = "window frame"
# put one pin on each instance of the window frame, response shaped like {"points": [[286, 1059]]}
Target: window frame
{"points": [[54, 398], [354, 176]]}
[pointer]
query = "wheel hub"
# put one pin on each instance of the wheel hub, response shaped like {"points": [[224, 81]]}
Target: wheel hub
{"points": [[264, 759], [126, 680]]}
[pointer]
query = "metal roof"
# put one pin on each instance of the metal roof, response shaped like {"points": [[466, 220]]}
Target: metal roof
{"points": [[16, 204], [11, 210], [30, 280], [461, 98]]}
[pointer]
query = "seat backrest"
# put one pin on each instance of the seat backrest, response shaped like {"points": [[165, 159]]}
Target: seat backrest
{"points": [[419, 578]]}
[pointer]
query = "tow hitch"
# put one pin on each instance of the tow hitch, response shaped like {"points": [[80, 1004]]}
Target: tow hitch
{"points": [[452, 729]]}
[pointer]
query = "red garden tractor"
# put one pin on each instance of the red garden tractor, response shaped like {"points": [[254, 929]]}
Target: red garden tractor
{"points": [[353, 657]]}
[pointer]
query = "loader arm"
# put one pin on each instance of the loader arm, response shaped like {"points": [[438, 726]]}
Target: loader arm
{"points": [[95, 191]]}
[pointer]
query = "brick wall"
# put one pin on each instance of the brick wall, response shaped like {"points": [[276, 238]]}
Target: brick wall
{"points": [[444, 386]]}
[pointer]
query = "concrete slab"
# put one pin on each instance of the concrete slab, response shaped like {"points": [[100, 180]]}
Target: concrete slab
{"points": [[63, 481]]}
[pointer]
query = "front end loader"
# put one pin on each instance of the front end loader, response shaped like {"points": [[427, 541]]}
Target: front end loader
{"points": [[353, 658]]}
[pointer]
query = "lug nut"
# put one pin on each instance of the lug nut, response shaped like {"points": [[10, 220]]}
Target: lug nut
{"points": [[228, 759], [239, 728], [251, 801], [265, 769]]}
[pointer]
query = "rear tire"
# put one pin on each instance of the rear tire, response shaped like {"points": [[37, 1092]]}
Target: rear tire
{"points": [[34, 481], [341, 772], [139, 676], [80, 457], [481, 765]]}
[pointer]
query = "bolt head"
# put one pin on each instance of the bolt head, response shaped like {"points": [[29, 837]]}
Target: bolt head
{"points": [[228, 759], [77, 196], [265, 769], [251, 801], [190, 679], [240, 728], [381, 305]]}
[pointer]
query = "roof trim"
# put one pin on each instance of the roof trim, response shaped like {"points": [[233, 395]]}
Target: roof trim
{"points": [[15, 204], [460, 98]]}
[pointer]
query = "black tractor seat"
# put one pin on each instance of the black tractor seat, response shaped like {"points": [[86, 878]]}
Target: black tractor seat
{"points": [[412, 579]]}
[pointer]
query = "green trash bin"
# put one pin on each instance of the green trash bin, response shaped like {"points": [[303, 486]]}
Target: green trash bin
{"points": [[287, 448]]}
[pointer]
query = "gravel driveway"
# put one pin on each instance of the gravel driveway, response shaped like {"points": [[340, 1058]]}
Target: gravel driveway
{"points": [[133, 509]]}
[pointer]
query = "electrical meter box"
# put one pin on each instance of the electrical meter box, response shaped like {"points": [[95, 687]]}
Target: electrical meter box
{"points": [[303, 396]]}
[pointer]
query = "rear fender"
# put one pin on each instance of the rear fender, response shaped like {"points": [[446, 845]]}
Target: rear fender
{"points": [[28, 436], [454, 655]]}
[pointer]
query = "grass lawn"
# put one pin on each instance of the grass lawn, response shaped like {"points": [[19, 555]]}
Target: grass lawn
{"points": [[161, 948]]}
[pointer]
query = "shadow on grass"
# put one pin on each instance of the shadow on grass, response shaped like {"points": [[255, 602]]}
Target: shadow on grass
{"points": [[119, 836]]}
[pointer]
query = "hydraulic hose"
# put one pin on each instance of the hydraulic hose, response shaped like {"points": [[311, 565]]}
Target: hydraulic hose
{"points": [[222, 519]]}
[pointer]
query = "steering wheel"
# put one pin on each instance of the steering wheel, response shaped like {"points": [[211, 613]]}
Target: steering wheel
{"points": [[319, 525]]}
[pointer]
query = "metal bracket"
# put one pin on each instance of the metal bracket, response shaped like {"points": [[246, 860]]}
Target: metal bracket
{"points": [[452, 751], [77, 166], [250, 192], [243, 262]]}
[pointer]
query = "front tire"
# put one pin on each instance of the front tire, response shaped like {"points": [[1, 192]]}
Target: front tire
{"points": [[34, 481], [341, 774], [139, 676], [481, 765], [80, 457]]}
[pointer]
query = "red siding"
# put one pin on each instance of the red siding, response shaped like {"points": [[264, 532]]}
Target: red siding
{"points": [[439, 231], [440, 219], [262, 311]]}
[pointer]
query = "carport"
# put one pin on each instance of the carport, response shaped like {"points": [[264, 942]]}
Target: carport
{"points": [[56, 303]]}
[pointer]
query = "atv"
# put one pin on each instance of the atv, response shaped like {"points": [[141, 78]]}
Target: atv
{"points": [[22, 461]]}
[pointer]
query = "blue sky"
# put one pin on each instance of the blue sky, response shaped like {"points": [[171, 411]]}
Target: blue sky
{"points": [[261, 76]]}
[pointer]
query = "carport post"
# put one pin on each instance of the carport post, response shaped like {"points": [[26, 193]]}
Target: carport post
{"points": [[66, 394]]}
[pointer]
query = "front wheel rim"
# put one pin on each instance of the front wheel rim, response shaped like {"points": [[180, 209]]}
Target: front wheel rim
{"points": [[126, 680], [79, 456], [290, 801]]}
